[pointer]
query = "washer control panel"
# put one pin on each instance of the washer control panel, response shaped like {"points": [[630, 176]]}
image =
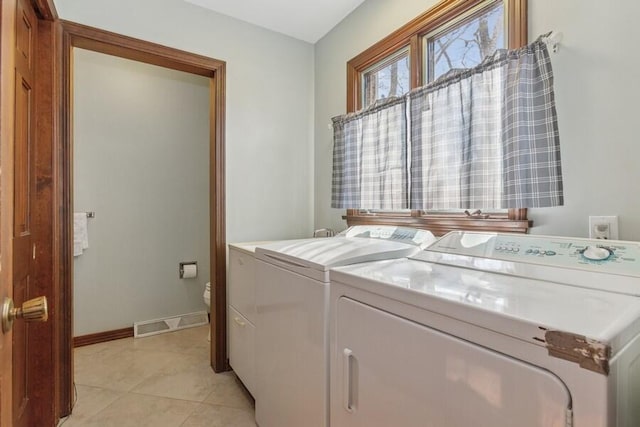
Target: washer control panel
{"points": [[607, 256], [410, 236]]}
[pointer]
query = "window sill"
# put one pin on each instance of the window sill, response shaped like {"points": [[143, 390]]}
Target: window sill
{"points": [[442, 224]]}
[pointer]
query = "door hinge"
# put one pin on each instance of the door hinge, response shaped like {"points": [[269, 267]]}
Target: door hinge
{"points": [[569, 421], [586, 352], [34, 251]]}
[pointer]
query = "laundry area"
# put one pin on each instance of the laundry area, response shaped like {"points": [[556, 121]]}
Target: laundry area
{"points": [[341, 213], [493, 320]]}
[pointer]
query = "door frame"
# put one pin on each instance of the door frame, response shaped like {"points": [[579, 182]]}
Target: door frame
{"points": [[81, 36]]}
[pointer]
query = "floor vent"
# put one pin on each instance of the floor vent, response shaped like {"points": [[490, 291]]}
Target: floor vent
{"points": [[169, 324]]}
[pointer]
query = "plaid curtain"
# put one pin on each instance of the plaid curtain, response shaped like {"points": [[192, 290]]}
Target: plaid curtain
{"points": [[481, 138], [532, 171], [456, 155], [370, 157]]}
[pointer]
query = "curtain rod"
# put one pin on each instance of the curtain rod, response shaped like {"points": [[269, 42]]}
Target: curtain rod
{"points": [[553, 40]]}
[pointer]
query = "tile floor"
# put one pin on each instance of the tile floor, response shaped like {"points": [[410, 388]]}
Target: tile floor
{"points": [[162, 381]]}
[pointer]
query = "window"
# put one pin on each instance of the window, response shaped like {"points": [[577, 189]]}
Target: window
{"points": [[466, 42], [387, 78], [452, 34]]}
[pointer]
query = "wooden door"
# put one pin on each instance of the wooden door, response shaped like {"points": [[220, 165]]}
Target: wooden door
{"points": [[7, 33], [17, 189], [23, 249]]}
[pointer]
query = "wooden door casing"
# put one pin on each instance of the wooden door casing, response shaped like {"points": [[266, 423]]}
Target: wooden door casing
{"points": [[80, 36]]}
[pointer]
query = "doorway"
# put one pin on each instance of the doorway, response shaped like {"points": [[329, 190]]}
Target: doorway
{"points": [[79, 36], [141, 193]]}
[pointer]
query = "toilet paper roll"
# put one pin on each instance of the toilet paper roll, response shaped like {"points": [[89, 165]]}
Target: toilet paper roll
{"points": [[189, 271]]}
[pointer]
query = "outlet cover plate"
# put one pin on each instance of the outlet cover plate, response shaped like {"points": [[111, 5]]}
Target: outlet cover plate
{"points": [[611, 223]]}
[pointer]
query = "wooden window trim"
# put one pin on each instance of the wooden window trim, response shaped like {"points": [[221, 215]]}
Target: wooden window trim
{"points": [[411, 35], [515, 221]]}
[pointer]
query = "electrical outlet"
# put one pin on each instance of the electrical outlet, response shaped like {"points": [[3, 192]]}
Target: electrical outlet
{"points": [[603, 227]]}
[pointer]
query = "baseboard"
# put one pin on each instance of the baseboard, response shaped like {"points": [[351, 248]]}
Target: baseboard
{"points": [[102, 337]]}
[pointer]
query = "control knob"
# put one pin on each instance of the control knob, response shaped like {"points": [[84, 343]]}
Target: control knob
{"points": [[596, 253]]}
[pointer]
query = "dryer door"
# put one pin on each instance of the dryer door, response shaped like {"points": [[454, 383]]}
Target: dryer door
{"points": [[394, 372]]}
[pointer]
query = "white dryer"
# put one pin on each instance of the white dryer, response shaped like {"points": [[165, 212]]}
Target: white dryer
{"points": [[489, 330], [292, 303]]}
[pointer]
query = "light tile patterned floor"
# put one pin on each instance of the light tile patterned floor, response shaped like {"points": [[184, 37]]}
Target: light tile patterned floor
{"points": [[162, 381]]}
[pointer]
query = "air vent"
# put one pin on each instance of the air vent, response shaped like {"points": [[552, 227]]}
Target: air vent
{"points": [[169, 324]]}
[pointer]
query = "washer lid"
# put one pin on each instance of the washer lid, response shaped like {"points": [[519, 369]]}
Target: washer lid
{"points": [[248, 247], [324, 253], [514, 306], [356, 244]]}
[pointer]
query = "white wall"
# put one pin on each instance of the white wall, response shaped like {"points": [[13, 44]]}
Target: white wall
{"points": [[271, 101], [269, 159], [141, 147], [596, 94], [596, 72]]}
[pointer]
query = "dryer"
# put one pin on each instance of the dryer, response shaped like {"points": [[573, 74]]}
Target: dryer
{"points": [[489, 330], [292, 303]]}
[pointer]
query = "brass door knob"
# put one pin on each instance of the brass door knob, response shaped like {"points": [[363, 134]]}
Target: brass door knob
{"points": [[34, 310]]}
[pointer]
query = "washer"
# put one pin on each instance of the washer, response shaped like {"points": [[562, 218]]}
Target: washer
{"points": [[292, 296], [491, 330]]}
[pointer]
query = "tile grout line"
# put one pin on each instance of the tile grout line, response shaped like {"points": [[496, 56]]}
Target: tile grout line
{"points": [[191, 345]]}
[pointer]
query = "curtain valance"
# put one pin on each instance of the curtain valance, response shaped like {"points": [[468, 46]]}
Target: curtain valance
{"points": [[480, 138], [370, 157]]}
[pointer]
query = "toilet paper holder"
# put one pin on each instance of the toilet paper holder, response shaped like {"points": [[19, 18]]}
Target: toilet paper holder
{"points": [[182, 265]]}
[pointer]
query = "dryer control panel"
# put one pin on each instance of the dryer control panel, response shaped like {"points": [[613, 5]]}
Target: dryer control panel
{"points": [[616, 257], [561, 259]]}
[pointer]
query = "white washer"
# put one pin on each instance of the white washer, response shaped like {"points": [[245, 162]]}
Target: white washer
{"points": [[292, 295], [491, 330]]}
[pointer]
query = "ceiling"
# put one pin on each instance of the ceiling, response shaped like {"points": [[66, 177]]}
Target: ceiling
{"points": [[302, 19]]}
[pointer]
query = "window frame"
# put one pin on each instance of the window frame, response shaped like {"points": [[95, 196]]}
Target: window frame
{"points": [[401, 53], [411, 36]]}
